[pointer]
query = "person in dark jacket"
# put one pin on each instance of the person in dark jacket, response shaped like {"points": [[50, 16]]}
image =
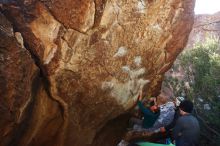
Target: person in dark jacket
{"points": [[150, 114], [186, 131]]}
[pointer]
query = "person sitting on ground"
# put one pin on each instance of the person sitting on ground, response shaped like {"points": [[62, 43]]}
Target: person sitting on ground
{"points": [[186, 131]]}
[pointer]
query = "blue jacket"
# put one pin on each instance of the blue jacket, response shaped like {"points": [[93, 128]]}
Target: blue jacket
{"points": [[186, 131]]}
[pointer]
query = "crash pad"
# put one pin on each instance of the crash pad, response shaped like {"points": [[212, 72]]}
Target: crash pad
{"points": [[153, 144]]}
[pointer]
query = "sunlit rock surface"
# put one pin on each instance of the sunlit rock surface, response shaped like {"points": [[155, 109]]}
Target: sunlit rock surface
{"points": [[85, 62]]}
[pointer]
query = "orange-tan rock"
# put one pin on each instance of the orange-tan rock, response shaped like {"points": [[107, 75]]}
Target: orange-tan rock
{"points": [[93, 57]]}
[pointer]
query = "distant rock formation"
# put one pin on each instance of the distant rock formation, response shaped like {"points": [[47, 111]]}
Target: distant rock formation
{"points": [[69, 69], [205, 26]]}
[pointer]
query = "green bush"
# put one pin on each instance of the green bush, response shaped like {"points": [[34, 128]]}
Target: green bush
{"points": [[201, 66]]}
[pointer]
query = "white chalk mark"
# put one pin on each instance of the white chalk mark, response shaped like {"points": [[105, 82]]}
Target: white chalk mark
{"points": [[126, 93], [122, 51], [126, 69], [141, 6], [137, 73], [137, 60], [107, 85]]}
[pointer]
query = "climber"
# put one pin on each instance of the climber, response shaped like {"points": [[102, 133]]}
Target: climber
{"points": [[186, 131], [150, 115], [149, 112]]}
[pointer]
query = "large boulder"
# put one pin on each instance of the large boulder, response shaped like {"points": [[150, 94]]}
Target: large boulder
{"points": [[93, 57]]}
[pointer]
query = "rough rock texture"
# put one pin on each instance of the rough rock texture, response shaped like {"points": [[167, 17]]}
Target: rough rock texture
{"points": [[17, 72], [93, 58], [205, 26], [25, 107]]}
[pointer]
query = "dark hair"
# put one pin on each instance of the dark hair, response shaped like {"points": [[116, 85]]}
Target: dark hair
{"points": [[186, 106]]}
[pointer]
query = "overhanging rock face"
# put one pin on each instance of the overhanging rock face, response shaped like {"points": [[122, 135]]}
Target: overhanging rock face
{"points": [[93, 57]]}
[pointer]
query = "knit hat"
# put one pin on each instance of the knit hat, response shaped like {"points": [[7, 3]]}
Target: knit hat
{"points": [[186, 106]]}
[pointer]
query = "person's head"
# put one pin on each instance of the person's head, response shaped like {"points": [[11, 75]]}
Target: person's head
{"points": [[178, 100], [186, 107], [162, 98]]}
